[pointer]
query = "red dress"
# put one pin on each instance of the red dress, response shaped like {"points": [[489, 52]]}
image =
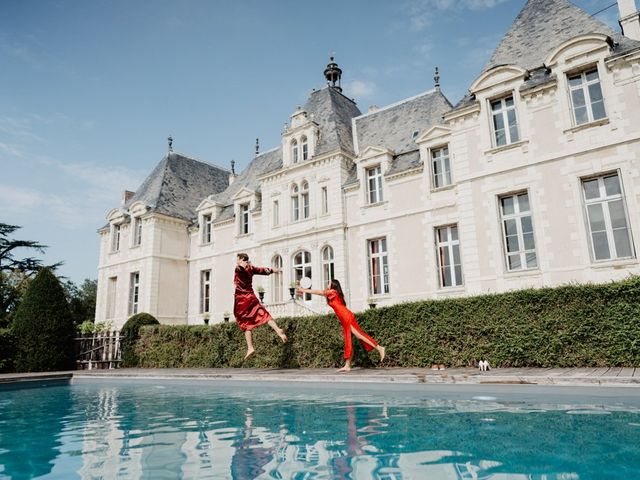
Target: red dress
{"points": [[348, 320], [247, 309]]}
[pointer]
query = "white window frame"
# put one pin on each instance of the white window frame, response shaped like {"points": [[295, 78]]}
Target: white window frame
{"points": [[305, 148], [276, 213], [374, 184], [447, 246], [244, 219], [207, 228], [378, 261], [517, 216], [504, 113], [324, 200], [137, 232], [295, 203], [328, 265], [440, 157], [205, 291], [112, 291], [584, 87], [277, 281], [115, 237], [302, 269], [294, 151], [134, 292], [304, 197], [606, 199]]}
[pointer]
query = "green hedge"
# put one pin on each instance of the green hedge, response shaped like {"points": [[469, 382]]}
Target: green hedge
{"points": [[7, 350], [568, 326], [130, 334]]}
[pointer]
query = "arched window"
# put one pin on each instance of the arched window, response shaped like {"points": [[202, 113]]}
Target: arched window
{"points": [[305, 199], [276, 280], [295, 203], [328, 266], [301, 268], [294, 151], [305, 148]]}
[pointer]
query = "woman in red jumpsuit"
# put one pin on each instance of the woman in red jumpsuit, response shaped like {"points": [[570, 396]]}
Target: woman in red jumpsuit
{"points": [[335, 299], [247, 309]]}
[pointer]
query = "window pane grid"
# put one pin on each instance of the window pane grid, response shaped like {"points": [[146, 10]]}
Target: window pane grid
{"points": [[302, 268], [517, 227], [378, 266], [276, 280], [586, 97], [505, 121], [374, 183], [205, 291], [328, 266], [441, 168], [449, 263]]}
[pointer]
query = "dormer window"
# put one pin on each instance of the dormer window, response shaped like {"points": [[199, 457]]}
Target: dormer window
{"points": [[586, 96], [374, 184], [115, 238], [305, 199], [504, 121], [206, 228], [294, 151], [137, 231], [244, 219], [305, 148], [295, 203], [440, 167]]}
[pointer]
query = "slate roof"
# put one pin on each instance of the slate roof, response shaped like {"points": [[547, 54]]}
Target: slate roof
{"points": [[178, 184], [405, 161], [333, 112], [393, 127], [543, 25]]}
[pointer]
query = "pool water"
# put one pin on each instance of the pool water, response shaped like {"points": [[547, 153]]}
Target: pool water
{"points": [[168, 430]]}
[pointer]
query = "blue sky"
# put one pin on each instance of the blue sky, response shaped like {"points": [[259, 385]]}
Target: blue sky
{"points": [[90, 90]]}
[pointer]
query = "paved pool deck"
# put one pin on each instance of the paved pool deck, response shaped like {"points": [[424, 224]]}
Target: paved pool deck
{"points": [[614, 376]]}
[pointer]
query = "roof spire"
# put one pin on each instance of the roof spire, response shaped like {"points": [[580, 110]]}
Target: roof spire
{"points": [[170, 141], [257, 146], [333, 73], [436, 79], [233, 167]]}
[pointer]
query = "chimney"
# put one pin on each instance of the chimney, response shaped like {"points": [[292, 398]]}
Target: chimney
{"points": [[126, 196], [373, 108], [629, 19]]}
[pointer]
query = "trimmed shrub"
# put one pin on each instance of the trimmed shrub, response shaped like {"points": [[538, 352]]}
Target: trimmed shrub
{"points": [[7, 350], [43, 328], [568, 326], [130, 333]]}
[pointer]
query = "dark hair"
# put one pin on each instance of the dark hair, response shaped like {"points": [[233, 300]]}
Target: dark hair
{"points": [[335, 285], [243, 256]]}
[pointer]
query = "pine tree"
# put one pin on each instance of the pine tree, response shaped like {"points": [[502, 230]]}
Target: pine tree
{"points": [[43, 327]]}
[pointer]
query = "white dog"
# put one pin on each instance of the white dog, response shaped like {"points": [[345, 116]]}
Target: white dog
{"points": [[484, 365]]}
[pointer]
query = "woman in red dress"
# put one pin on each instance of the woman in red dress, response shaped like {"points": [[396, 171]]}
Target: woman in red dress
{"points": [[247, 309], [335, 299]]}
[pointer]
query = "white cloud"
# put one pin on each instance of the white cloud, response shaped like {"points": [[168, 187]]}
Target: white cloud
{"points": [[422, 12], [360, 88]]}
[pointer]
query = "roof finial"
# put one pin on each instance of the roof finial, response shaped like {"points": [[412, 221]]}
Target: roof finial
{"points": [[170, 140], [257, 146], [233, 167], [436, 78], [333, 73]]}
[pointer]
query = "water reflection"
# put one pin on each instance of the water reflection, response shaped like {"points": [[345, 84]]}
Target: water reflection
{"points": [[186, 431]]}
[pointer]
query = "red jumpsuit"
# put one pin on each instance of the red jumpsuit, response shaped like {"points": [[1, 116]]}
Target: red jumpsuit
{"points": [[247, 309], [348, 320]]}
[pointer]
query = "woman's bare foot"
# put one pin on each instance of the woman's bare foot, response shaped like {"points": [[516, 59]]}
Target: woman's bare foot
{"points": [[381, 351], [346, 368], [249, 353], [282, 335]]}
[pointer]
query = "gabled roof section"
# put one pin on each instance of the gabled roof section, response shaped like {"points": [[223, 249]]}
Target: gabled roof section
{"points": [[543, 25], [178, 184], [333, 112], [394, 127]]}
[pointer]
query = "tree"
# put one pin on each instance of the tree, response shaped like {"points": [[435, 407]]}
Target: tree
{"points": [[82, 300], [15, 273], [43, 328]]}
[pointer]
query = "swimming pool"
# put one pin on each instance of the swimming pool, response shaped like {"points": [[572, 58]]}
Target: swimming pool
{"points": [[161, 429]]}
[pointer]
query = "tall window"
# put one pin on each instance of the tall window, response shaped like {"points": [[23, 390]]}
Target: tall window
{"points": [[606, 212], [328, 266], [302, 268], [517, 230], [324, 200], [244, 218], [378, 266], [305, 148], [205, 291], [586, 96], [111, 297], [206, 228], [134, 292], [374, 184], [115, 238], [304, 194], [295, 203], [276, 280], [505, 122], [440, 167], [276, 213], [294, 151], [137, 231], [448, 248]]}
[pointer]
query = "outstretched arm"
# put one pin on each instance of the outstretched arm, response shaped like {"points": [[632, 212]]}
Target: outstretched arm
{"points": [[313, 292], [264, 270]]}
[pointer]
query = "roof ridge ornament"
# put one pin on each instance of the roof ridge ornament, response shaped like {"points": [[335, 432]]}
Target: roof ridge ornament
{"points": [[436, 79], [333, 73], [170, 142], [257, 146]]}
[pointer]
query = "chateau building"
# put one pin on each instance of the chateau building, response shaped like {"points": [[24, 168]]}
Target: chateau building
{"points": [[531, 180]]}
